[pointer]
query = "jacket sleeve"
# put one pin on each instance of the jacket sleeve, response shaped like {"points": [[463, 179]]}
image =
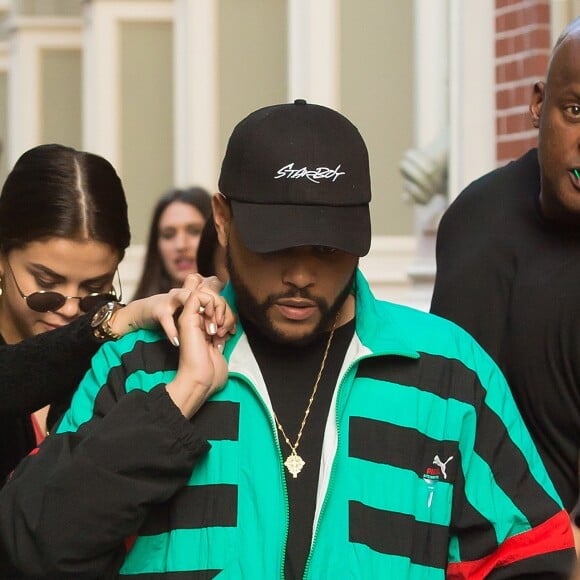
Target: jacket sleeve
{"points": [[67, 350], [507, 518], [68, 509]]}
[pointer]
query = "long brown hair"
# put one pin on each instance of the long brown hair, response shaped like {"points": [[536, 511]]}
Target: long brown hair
{"points": [[154, 277]]}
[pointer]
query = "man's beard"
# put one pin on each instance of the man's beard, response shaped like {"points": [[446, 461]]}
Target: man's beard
{"points": [[257, 313]]}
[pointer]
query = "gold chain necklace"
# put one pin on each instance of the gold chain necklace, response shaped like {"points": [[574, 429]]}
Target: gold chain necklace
{"points": [[294, 463]]}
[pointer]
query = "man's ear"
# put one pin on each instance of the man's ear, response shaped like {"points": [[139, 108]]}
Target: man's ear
{"points": [[222, 215], [537, 102]]}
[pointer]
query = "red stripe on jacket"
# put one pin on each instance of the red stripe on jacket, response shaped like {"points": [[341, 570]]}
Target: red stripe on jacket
{"points": [[553, 535], [129, 543]]}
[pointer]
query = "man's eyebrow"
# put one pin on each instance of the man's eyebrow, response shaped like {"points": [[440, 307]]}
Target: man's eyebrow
{"points": [[571, 93]]}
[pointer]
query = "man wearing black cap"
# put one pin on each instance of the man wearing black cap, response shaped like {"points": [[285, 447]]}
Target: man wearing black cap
{"points": [[353, 438]]}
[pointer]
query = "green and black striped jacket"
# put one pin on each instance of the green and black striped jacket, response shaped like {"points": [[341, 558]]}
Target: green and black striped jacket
{"points": [[427, 470]]}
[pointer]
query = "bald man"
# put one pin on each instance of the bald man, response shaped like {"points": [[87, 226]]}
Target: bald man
{"points": [[508, 268]]}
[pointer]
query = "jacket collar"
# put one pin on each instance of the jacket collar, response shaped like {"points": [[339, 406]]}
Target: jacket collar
{"points": [[379, 324]]}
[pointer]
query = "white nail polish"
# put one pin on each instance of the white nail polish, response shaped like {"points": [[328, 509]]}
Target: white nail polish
{"points": [[220, 347], [212, 328], [175, 341], [201, 310]]}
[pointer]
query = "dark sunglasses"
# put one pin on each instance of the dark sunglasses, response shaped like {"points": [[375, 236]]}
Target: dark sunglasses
{"points": [[49, 301]]}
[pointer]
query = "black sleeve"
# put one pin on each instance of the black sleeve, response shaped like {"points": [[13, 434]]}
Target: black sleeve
{"points": [[479, 240], [474, 271], [107, 474], [45, 368]]}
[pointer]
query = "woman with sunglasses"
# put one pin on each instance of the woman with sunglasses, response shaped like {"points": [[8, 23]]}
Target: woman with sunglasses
{"points": [[63, 231]]}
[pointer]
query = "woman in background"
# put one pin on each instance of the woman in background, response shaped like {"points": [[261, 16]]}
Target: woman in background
{"points": [[63, 231], [176, 225]]}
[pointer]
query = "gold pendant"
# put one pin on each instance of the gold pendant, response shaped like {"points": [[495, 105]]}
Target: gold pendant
{"points": [[294, 463]]}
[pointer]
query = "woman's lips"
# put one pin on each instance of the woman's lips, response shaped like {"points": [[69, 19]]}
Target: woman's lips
{"points": [[184, 264], [52, 326]]}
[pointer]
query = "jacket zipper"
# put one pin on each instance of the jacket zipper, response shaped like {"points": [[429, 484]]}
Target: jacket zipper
{"points": [[280, 463], [332, 470]]}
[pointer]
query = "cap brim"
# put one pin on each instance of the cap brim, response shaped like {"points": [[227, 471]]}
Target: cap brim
{"points": [[270, 228]]}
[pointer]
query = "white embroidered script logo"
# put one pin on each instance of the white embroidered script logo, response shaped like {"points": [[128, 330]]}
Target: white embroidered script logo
{"points": [[314, 175]]}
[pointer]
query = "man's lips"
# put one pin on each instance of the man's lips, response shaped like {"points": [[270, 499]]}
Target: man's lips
{"points": [[575, 177], [296, 310]]}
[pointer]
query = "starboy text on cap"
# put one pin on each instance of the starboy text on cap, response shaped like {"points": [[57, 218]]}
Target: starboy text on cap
{"points": [[314, 175]]}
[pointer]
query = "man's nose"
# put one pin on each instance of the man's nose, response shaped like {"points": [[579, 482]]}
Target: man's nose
{"points": [[299, 268]]}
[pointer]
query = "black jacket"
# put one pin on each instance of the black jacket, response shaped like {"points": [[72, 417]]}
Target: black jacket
{"points": [[33, 373]]}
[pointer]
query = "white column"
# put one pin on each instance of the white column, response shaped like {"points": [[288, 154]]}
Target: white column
{"points": [[431, 122], [196, 93], [472, 147], [431, 55], [28, 38], [455, 93], [101, 58], [561, 13], [4, 57], [314, 51]]}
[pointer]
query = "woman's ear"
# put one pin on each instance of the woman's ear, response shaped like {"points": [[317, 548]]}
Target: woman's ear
{"points": [[222, 215]]}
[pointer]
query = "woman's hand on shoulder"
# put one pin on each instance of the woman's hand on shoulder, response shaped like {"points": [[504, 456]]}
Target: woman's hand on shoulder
{"points": [[202, 367], [217, 317]]}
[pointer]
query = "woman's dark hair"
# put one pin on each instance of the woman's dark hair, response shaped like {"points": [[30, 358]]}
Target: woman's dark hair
{"points": [[57, 191], [154, 278], [208, 244]]}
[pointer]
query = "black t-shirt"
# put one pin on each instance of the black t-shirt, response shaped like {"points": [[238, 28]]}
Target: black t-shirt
{"points": [[512, 279], [290, 373]]}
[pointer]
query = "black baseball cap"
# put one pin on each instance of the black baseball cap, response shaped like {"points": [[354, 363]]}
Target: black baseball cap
{"points": [[298, 175]]}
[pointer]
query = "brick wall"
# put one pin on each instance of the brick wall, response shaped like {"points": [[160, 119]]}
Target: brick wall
{"points": [[522, 50]]}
